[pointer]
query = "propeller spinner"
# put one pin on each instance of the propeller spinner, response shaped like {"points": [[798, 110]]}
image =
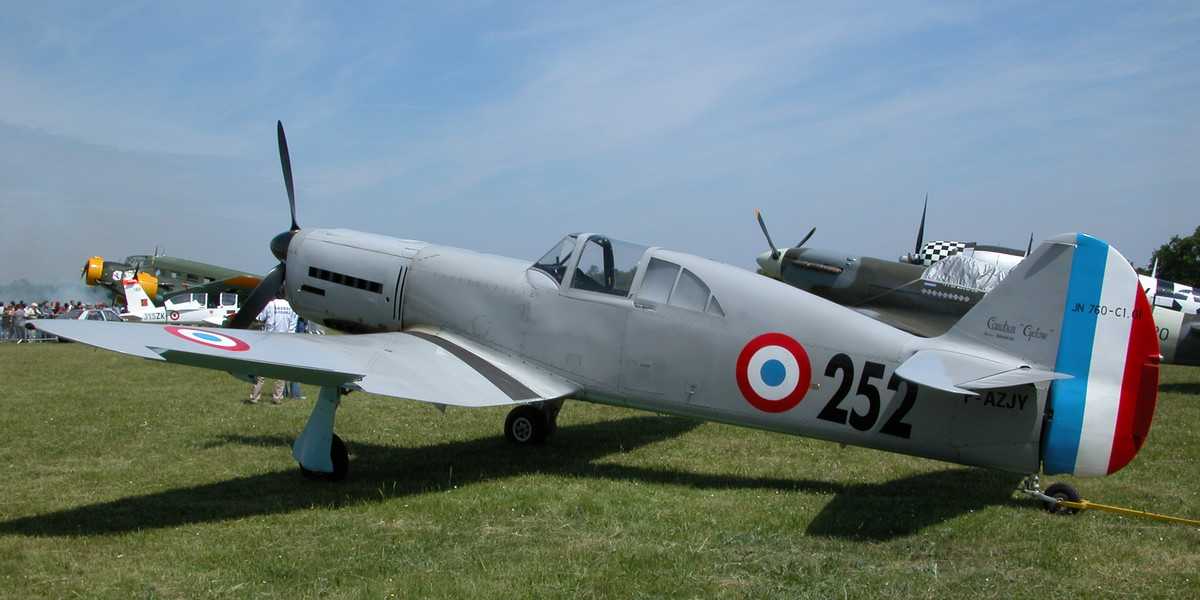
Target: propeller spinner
{"points": [[770, 262], [274, 280]]}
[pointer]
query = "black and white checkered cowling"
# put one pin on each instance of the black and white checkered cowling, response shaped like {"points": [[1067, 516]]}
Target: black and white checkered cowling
{"points": [[935, 251]]}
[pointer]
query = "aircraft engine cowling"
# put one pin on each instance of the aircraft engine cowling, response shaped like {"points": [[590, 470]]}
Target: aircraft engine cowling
{"points": [[348, 280], [93, 270]]}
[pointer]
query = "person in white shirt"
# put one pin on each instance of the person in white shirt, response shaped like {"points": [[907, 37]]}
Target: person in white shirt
{"points": [[277, 316]]}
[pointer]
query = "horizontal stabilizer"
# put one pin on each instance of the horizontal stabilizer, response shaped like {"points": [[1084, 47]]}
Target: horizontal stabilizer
{"points": [[959, 373]]}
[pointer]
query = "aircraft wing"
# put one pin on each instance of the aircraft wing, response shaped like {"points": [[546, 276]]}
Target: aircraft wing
{"points": [[427, 366], [241, 285]]}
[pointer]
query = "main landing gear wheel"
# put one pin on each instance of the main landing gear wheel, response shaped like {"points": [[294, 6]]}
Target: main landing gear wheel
{"points": [[1061, 491], [526, 425], [341, 463]]}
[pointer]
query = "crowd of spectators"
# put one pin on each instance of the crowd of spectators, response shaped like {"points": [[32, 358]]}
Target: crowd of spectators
{"points": [[16, 314]]}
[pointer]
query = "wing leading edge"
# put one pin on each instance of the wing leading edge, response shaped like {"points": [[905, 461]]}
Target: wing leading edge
{"points": [[427, 366]]}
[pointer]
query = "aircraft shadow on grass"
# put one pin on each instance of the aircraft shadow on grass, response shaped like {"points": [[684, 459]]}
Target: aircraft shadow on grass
{"points": [[1189, 388], [867, 511]]}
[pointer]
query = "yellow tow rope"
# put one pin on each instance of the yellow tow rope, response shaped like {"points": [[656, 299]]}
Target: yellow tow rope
{"points": [[1084, 504]]}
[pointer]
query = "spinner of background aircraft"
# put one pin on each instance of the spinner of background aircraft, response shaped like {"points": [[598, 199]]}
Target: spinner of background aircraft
{"points": [[164, 276], [610, 322]]}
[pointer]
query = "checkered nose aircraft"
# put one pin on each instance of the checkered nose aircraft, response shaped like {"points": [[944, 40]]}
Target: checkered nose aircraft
{"points": [[1055, 371], [929, 290]]}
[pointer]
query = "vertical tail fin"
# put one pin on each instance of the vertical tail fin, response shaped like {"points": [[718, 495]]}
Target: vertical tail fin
{"points": [[137, 302], [1076, 306]]}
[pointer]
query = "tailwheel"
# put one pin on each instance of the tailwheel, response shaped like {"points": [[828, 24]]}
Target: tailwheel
{"points": [[1061, 491], [341, 463], [526, 425]]}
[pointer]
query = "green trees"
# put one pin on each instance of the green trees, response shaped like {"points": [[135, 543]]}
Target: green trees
{"points": [[1179, 259]]}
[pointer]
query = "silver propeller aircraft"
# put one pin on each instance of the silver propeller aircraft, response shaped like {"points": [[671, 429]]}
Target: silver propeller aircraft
{"points": [[1055, 371]]}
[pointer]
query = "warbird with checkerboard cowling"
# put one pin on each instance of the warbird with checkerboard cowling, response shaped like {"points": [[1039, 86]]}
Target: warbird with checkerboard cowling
{"points": [[928, 292], [1055, 370]]}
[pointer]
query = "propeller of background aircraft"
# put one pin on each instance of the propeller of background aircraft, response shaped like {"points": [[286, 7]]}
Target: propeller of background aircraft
{"points": [[763, 226], [273, 282], [774, 250], [775, 253], [921, 229]]}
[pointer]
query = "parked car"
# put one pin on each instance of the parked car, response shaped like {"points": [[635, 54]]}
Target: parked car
{"points": [[90, 314]]}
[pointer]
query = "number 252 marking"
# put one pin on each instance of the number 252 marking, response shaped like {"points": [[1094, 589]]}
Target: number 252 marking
{"points": [[867, 389]]}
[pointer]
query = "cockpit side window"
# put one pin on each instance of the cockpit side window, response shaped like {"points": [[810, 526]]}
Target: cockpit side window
{"points": [[668, 283], [690, 292], [659, 280], [714, 307]]}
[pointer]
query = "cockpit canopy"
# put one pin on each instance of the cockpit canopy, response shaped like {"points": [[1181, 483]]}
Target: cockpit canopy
{"points": [[605, 265], [608, 266]]}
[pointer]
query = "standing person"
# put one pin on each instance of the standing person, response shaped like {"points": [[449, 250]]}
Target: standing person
{"points": [[6, 321], [18, 324], [277, 317], [293, 387], [32, 312]]}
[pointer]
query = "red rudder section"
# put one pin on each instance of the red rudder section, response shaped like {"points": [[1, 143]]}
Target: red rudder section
{"points": [[1139, 387]]}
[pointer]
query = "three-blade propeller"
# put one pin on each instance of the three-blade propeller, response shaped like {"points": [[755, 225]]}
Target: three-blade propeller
{"points": [[273, 282], [772, 263], [763, 226], [775, 251]]}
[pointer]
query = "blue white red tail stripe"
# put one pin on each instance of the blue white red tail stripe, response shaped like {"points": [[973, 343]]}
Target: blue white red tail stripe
{"points": [[1108, 346], [1140, 392]]}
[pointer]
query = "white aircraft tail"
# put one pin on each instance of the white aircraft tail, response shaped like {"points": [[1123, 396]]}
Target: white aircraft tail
{"points": [[1074, 313], [137, 302]]}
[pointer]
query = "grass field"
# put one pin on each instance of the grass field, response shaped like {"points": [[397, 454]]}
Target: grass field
{"points": [[123, 478]]}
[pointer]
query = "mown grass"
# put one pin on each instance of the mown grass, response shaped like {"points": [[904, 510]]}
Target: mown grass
{"points": [[123, 478]]}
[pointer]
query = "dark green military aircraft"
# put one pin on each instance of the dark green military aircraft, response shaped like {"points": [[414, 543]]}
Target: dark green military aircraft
{"points": [[927, 291]]}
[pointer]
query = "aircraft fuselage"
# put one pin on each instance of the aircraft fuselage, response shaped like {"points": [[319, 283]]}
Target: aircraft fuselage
{"points": [[704, 351]]}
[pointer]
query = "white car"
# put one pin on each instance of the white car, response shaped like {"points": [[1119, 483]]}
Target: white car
{"points": [[90, 314]]}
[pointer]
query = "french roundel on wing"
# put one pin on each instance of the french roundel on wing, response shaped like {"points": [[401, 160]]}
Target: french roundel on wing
{"points": [[210, 338], [774, 372]]}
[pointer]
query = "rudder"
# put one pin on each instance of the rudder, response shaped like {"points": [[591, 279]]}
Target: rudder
{"points": [[1098, 420], [137, 302], [1075, 306]]}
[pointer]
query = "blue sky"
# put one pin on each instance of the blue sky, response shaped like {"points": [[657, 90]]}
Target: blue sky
{"points": [[126, 127]]}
